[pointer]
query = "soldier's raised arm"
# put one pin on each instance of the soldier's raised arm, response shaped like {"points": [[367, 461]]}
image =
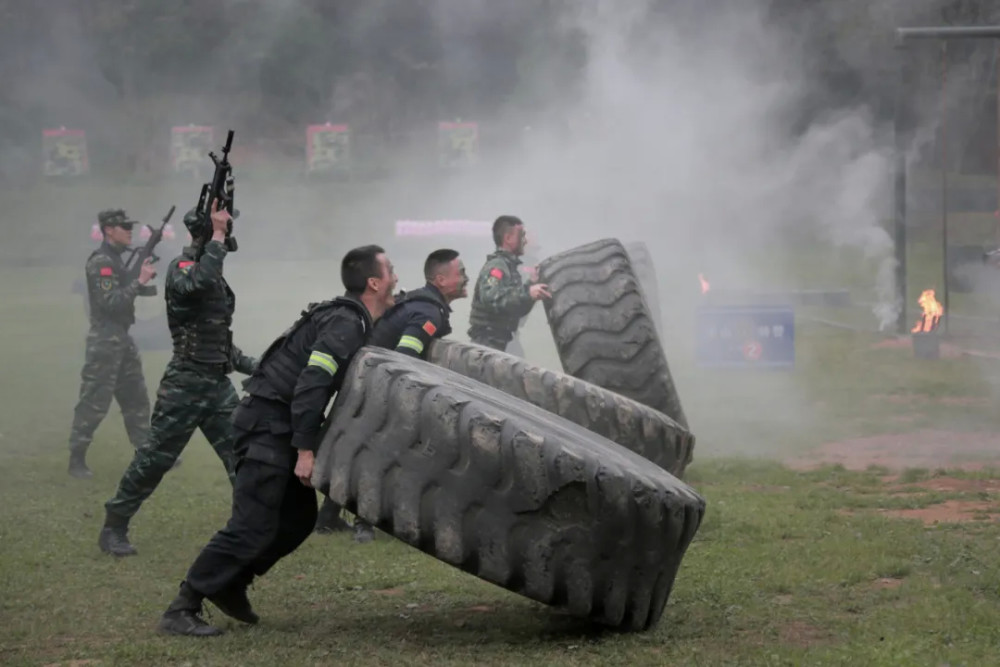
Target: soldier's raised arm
{"points": [[188, 276]]}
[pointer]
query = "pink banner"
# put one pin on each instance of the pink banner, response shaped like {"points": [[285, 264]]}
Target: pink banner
{"points": [[477, 228]]}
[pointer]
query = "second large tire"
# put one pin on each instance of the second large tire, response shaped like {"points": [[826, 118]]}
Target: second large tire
{"points": [[506, 491], [602, 327], [635, 426]]}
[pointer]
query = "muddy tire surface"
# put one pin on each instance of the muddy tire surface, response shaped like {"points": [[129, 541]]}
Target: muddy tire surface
{"points": [[633, 425], [506, 491], [602, 326]]}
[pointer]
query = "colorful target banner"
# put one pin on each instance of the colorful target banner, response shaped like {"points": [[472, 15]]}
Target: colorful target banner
{"points": [[64, 152], [458, 143], [328, 148], [189, 147]]}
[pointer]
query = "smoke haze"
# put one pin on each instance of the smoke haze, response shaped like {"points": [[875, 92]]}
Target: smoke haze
{"points": [[704, 130]]}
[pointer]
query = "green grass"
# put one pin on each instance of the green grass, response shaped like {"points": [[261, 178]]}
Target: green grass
{"points": [[786, 568]]}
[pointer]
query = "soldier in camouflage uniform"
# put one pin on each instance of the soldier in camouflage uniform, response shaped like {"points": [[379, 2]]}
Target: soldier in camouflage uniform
{"points": [[112, 367], [530, 257], [195, 391], [501, 298]]}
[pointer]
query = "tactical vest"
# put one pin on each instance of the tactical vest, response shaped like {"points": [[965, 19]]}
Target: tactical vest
{"points": [[479, 317], [281, 365], [98, 315], [390, 326], [206, 337]]}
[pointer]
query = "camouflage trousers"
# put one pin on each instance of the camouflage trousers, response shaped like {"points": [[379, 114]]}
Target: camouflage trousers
{"points": [[112, 369], [189, 398]]}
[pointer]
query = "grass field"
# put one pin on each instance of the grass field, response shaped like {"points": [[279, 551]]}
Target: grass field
{"points": [[797, 562]]}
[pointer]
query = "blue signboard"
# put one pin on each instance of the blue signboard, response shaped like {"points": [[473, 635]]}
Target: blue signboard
{"points": [[746, 336]]}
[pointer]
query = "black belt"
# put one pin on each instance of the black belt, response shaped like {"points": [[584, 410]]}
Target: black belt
{"points": [[208, 367]]}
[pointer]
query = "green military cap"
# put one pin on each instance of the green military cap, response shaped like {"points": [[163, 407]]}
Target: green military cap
{"points": [[114, 217]]}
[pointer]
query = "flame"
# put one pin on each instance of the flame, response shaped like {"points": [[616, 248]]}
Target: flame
{"points": [[932, 312], [704, 283]]}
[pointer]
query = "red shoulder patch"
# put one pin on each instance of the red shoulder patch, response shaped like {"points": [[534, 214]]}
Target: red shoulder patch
{"points": [[496, 273], [106, 271], [429, 328], [184, 265]]}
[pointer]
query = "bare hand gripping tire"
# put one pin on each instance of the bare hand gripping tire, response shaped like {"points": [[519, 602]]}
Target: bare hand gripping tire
{"points": [[602, 327], [506, 491], [647, 432]]}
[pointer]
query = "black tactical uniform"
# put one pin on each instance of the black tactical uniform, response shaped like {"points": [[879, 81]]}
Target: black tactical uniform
{"points": [[112, 367], [407, 327], [418, 316], [195, 391], [500, 300], [283, 412]]}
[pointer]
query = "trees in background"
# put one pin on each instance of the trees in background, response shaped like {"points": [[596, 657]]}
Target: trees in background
{"points": [[126, 69]]}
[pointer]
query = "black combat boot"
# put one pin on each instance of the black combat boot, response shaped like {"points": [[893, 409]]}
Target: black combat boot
{"points": [[114, 536], [329, 520], [78, 464], [232, 601], [183, 616], [363, 531]]}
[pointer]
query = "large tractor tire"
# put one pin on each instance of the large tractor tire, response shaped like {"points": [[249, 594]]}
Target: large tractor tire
{"points": [[506, 491], [647, 432], [603, 329], [645, 271]]}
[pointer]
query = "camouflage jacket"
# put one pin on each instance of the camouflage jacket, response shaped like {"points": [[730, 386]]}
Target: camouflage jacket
{"points": [[200, 307], [501, 296], [111, 293]]}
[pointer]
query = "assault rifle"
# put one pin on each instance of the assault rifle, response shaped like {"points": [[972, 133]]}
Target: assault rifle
{"points": [[222, 189], [139, 255]]}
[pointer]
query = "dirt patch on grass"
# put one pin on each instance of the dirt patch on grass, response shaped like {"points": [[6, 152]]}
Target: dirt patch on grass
{"points": [[392, 592], [765, 488], [953, 485], [930, 449], [950, 511], [918, 399], [946, 350], [887, 583], [802, 634], [953, 510]]}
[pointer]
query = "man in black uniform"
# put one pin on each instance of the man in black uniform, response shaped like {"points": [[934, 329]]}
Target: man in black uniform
{"points": [[195, 391], [277, 427], [112, 367], [501, 298], [408, 327]]}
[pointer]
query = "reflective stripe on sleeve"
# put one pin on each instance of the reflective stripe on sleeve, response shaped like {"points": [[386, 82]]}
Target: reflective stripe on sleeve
{"points": [[411, 342], [324, 361]]}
